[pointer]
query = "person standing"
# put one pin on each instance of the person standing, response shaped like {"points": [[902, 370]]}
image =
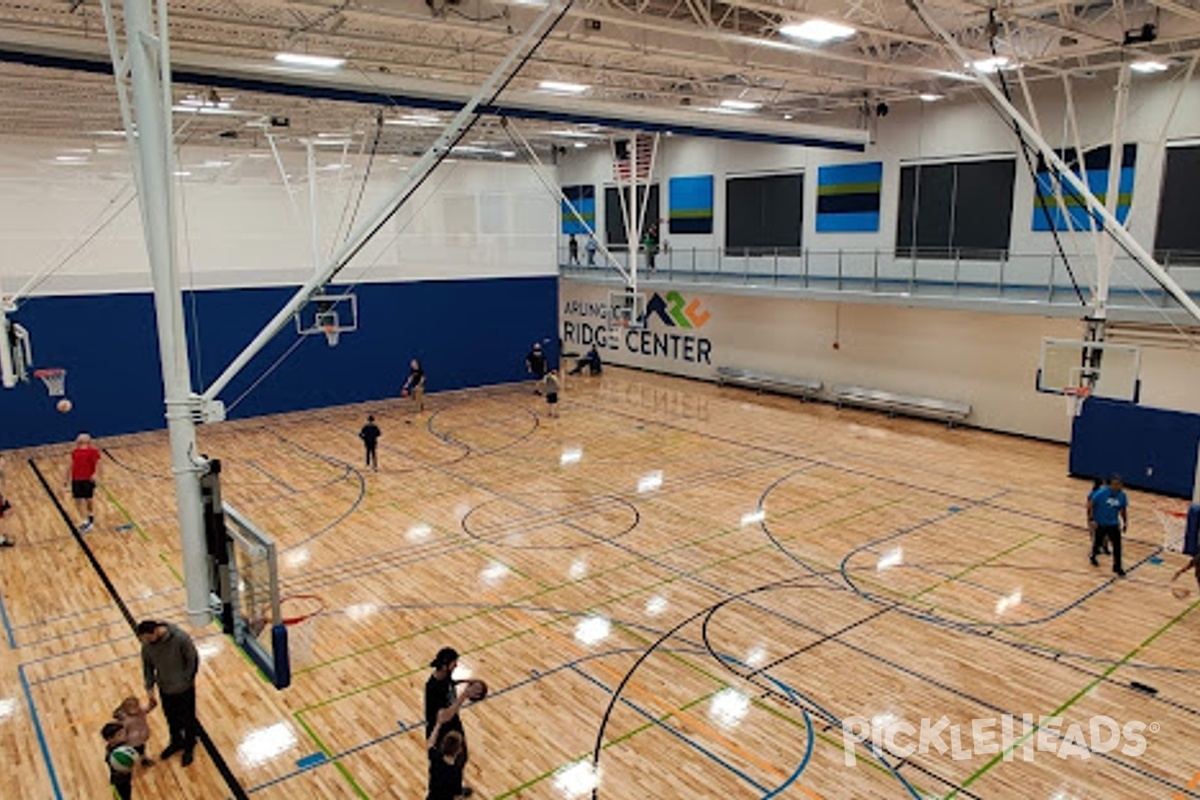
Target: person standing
{"points": [[415, 384], [170, 663], [591, 250], [552, 393], [1107, 518], [5, 513], [370, 436], [535, 363], [120, 777], [441, 695], [82, 474], [573, 250]]}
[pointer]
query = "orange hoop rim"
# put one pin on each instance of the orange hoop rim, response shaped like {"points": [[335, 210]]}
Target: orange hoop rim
{"points": [[290, 621], [49, 372], [1077, 391]]}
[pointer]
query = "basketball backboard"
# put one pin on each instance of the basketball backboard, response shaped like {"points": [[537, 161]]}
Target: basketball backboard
{"points": [[626, 308], [328, 315], [1107, 370], [252, 592]]}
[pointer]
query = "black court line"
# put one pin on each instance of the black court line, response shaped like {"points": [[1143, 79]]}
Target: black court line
{"points": [[235, 786]]}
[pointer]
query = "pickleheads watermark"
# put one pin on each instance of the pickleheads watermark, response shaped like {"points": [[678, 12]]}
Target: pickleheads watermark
{"points": [[1008, 736]]}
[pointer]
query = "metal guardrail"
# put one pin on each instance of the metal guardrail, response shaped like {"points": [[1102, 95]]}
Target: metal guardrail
{"points": [[966, 274]]}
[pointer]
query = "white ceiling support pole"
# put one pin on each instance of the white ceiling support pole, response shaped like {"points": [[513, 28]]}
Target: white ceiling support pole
{"points": [[407, 186], [283, 176], [1115, 229], [149, 78], [555, 191], [314, 214], [1106, 247]]}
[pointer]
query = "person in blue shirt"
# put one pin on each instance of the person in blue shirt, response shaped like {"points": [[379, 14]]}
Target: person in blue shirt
{"points": [[1107, 517]]}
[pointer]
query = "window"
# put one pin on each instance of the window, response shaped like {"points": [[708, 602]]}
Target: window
{"points": [[764, 214], [614, 214], [959, 209], [1177, 240]]}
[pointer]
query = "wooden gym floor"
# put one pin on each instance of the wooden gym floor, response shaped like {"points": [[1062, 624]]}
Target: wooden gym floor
{"points": [[628, 604]]}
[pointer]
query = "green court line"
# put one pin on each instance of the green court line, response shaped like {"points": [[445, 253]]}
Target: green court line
{"points": [[163, 557], [128, 517], [1074, 698], [325, 749], [974, 567]]}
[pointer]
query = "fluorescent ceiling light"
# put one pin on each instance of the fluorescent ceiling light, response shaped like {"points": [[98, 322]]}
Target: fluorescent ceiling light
{"points": [[581, 145], [570, 134], [990, 65], [206, 110], [931, 97], [563, 86], [306, 60], [818, 31], [740, 105], [71, 159], [1147, 66]]}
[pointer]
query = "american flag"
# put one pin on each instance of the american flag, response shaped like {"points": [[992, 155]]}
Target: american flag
{"points": [[623, 157]]}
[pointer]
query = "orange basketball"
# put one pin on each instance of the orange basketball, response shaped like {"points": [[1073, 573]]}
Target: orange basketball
{"points": [[63, 405], [476, 690]]}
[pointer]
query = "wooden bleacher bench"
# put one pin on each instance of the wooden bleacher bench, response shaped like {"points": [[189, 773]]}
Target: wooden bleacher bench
{"points": [[783, 384], [949, 411]]}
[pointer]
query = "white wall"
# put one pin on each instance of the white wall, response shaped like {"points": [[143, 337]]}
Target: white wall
{"points": [[960, 128], [986, 359], [237, 227]]}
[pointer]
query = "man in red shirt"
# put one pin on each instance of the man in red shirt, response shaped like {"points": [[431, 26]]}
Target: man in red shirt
{"points": [[81, 478]]}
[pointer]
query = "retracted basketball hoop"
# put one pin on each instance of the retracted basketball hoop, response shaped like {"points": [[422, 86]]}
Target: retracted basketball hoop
{"points": [[1075, 396], [55, 380]]}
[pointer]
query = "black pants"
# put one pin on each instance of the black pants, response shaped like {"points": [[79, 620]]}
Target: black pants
{"points": [[123, 783], [1111, 534], [180, 711], [372, 458]]}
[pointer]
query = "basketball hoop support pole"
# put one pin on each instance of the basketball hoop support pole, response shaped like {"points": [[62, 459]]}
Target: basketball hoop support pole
{"points": [[1114, 228], [147, 63], [8, 372]]}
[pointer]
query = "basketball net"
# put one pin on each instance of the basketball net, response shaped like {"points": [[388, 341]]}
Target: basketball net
{"points": [[55, 380], [331, 335], [1174, 525]]}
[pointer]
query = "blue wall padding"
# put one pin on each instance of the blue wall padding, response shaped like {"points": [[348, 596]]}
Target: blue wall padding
{"points": [[466, 333], [1150, 448]]}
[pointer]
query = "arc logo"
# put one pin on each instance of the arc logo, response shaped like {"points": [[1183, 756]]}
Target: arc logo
{"points": [[676, 312]]}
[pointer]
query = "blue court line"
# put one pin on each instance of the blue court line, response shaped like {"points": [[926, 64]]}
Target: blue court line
{"points": [[8, 631], [679, 735], [41, 737]]}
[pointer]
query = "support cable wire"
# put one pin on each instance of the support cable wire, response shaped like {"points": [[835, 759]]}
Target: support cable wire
{"points": [[362, 188], [1030, 168]]}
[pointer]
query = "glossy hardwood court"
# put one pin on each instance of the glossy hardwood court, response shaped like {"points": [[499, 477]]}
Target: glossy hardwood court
{"points": [[701, 590]]}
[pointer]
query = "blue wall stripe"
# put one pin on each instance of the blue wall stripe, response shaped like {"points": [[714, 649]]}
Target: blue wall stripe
{"points": [[467, 333], [854, 222], [280, 87], [868, 172]]}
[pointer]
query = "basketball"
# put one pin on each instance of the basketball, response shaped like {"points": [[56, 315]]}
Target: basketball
{"points": [[404, 392], [63, 405], [122, 758], [476, 690]]}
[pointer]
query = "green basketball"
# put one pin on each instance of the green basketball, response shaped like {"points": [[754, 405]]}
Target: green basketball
{"points": [[122, 758]]}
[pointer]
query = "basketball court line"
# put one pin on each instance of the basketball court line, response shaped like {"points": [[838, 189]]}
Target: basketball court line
{"points": [[8, 629]]}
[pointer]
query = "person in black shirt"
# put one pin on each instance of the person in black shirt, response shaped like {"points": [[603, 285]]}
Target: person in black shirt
{"points": [[447, 759], [535, 362], [415, 384], [591, 361], [441, 697], [370, 436]]}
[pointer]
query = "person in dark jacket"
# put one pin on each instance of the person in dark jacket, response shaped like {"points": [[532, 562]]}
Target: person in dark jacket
{"points": [[170, 663]]}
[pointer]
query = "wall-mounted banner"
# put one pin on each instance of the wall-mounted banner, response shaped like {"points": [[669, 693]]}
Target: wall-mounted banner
{"points": [[670, 331], [584, 200], [1095, 161], [848, 198], [691, 204]]}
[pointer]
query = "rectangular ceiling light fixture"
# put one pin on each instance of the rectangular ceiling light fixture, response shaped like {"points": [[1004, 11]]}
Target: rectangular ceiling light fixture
{"points": [[740, 105], [1147, 66], [817, 31], [306, 60], [564, 87]]}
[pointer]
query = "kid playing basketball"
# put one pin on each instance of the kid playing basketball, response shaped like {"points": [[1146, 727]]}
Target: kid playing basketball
{"points": [[81, 478], [552, 393], [415, 384]]}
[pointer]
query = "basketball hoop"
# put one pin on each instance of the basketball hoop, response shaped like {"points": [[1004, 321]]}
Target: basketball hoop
{"points": [[300, 627], [331, 334], [1075, 396], [1174, 525], [55, 380]]}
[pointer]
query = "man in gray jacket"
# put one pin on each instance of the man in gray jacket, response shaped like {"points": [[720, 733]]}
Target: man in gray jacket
{"points": [[170, 661]]}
